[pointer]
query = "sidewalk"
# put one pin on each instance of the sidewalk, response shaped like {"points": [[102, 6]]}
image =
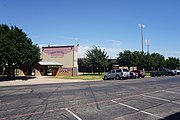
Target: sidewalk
{"points": [[39, 80]]}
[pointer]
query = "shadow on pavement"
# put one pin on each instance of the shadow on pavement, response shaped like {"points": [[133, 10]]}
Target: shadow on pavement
{"points": [[5, 78], [175, 116]]}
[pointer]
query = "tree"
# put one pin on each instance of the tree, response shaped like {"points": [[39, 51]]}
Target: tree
{"points": [[97, 58], [16, 49], [172, 63], [158, 60], [125, 58], [139, 59]]}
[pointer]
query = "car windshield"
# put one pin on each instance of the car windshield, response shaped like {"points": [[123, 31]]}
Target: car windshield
{"points": [[118, 71], [166, 69], [125, 70]]}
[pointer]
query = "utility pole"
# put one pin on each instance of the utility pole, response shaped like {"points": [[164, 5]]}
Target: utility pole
{"points": [[141, 26]]}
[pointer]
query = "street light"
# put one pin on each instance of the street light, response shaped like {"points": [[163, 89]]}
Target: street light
{"points": [[141, 26], [148, 45]]}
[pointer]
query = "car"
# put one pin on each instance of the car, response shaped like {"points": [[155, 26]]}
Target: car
{"points": [[177, 72], [133, 75], [140, 73], [116, 74], [162, 72]]}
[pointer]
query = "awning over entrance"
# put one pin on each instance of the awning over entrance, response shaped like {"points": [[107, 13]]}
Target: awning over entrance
{"points": [[50, 63]]}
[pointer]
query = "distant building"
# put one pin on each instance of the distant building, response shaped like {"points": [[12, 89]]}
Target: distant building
{"points": [[57, 61]]}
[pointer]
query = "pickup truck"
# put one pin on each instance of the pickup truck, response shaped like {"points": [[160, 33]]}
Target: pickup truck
{"points": [[162, 71], [116, 74]]}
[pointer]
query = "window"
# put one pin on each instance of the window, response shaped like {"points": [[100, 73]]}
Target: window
{"points": [[118, 71], [125, 70]]}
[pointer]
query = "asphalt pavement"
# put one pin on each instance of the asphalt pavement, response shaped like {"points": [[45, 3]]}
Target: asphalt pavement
{"points": [[155, 98]]}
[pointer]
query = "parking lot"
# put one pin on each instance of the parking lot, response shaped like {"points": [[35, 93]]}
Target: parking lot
{"points": [[155, 98]]}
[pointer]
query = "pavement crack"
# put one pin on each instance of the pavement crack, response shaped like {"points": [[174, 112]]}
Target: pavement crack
{"points": [[45, 100], [97, 105]]}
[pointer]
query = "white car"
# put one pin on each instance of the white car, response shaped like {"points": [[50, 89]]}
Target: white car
{"points": [[177, 72], [117, 74]]}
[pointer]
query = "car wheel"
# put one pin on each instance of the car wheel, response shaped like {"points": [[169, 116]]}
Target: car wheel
{"points": [[153, 75], [117, 77], [105, 77], [170, 74]]}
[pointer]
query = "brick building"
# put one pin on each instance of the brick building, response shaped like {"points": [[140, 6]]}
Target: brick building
{"points": [[57, 61]]}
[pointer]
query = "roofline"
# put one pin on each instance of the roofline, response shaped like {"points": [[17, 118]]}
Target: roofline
{"points": [[59, 46]]}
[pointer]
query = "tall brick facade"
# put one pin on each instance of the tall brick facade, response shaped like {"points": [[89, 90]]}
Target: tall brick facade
{"points": [[59, 60]]}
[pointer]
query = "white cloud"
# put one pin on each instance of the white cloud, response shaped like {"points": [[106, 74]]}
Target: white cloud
{"points": [[115, 42], [112, 52], [82, 50]]}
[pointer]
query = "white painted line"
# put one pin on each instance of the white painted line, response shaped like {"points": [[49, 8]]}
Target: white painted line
{"points": [[162, 99], [176, 102], [157, 98], [114, 101], [125, 105], [137, 109], [172, 92], [77, 117], [151, 114]]}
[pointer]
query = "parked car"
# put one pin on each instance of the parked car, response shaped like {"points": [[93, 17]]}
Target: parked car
{"points": [[117, 74], [163, 71], [140, 73], [133, 75], [177, 72]]}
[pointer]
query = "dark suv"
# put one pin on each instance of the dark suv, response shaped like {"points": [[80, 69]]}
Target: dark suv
{"points": [[140, 73]]}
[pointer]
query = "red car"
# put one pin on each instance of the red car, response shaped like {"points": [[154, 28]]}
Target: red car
{"points": [[140, 73]]}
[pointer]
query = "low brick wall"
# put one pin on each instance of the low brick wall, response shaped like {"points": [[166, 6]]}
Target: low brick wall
{"points": [[67, 72]]}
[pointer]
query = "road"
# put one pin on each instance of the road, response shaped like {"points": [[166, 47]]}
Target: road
{"points": [[155, 98]]}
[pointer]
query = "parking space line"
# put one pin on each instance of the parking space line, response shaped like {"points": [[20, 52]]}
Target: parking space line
{"points": [[162, 99], [136, 109], [125, 105], [172, 92], [148, 113], [176, 102], [77, 117], [166, 100]]}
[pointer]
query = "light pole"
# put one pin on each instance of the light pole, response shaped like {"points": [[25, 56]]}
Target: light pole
{"points": [[148, 45], [141, 26]]}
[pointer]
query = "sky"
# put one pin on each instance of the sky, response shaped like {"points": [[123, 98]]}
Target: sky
{"points": [[111, 25]]}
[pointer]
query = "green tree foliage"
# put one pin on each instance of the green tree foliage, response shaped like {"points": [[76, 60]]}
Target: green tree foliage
{"points": [[172, 63], [97, 58], [132, 59], [138, 59], [125, 58], [141, 60], [158, 60], [16, 49]]}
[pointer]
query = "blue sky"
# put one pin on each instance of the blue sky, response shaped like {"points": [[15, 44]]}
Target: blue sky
{"points": [[110, 24]]}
